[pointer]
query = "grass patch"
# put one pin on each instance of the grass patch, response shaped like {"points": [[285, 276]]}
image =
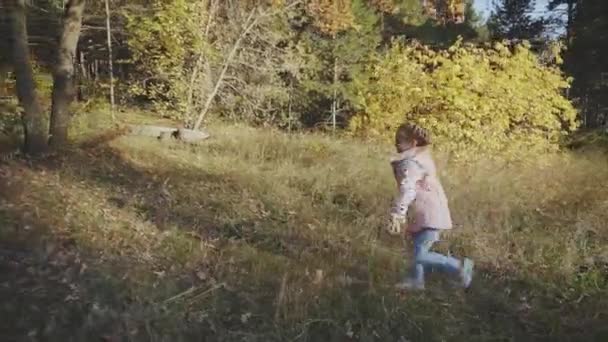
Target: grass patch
{"points": [[256, 235]]}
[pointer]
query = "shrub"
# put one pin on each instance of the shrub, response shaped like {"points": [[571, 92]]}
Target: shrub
{"points": [[162, 42], [484, 98]]}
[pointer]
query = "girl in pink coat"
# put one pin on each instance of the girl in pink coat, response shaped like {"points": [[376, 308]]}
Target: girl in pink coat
{"points": [[419, 187]]}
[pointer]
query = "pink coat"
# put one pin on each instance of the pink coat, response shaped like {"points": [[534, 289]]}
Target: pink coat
{"points": [[419, 185]]}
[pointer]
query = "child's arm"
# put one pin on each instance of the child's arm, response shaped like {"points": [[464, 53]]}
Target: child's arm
{"points": [[407, 173]]}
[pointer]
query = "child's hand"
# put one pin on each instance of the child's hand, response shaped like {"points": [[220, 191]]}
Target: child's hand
{"points": [[395, 224]]}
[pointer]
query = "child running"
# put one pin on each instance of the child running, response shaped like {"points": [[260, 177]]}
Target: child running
{"points": [[416, 177]]}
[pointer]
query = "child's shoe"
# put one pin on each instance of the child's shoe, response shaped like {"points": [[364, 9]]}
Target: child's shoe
{"points": [[466, 274]]}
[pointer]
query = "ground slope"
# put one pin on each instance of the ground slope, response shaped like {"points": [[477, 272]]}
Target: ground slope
{"points": [[260, 236]]}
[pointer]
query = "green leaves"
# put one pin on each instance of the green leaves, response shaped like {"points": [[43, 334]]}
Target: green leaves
{"points": [[162, 42]]}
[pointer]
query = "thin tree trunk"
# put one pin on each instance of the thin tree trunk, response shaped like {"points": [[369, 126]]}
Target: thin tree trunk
{"points": [[83, 67], [82, 76], [35, 139], [109, 38], [63, 76], [199, 62], [289, 118], [334, 105], [193, 76]]}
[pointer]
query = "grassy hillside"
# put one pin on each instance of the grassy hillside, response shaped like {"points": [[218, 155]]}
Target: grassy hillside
{"points": [[260, 236]]}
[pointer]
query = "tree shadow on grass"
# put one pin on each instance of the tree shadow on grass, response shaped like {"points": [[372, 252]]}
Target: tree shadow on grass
{"points": [[156, 194], [56, 288], [44, 297]]}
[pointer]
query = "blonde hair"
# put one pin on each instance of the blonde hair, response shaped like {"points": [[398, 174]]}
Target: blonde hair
{"points": [[408, 132]]}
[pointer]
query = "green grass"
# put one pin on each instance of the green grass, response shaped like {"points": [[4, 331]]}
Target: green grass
{"points": [[256, 235]]}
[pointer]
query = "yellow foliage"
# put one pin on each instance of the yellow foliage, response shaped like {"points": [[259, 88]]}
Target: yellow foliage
{"points": [[487, 99], [386, 6], [332, 16]]}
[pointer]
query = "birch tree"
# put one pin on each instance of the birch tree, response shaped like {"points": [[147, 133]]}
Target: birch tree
{"points": [[63, 74]]}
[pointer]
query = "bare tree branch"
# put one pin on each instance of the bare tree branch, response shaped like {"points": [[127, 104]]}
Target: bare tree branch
{"points": [[250, 23]]}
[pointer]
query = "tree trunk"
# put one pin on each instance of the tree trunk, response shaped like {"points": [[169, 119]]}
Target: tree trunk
{"points": [[96, 70], [63, 75], [334, 104], [35, 133], [199, 63], [570, 23], [109, 38]]}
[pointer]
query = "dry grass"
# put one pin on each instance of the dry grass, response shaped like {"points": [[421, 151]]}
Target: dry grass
{"points": [[260, 236]]}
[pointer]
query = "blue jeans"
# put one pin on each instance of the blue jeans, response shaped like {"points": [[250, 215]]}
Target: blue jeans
{"points": [[425, 260]]}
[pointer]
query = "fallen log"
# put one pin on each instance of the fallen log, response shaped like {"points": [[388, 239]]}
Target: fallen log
{"points": [[150, 131], [191, 135]]}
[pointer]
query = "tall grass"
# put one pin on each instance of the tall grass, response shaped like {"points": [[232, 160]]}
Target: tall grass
{"points": [[256, 235]]}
